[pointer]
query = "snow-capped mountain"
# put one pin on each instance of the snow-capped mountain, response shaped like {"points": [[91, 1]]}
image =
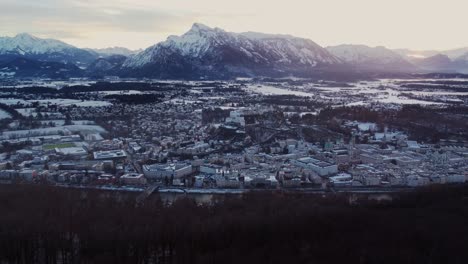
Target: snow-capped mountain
{"points": [[205, 52], [463, 57], [371, 58], [213, 52], [109, 65], [31, 47], [441, 63], [115, 51], [453, 54]]}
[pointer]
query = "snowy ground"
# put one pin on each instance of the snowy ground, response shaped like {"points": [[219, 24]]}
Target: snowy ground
{"points": [[385, 91], [13, 101], [4, 114], [27, 112], [68, 102], [60, 102], [272, 90], [51, 131], [181, 101], [120, 92]]}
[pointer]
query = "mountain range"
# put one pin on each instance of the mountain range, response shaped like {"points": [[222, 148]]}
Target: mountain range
{"points": [[212, 53], [366, 58], [114, 51], [51, 50]]}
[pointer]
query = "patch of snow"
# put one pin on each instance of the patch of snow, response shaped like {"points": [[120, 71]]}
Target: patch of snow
{"points": [[271, 90], [4, 115]]}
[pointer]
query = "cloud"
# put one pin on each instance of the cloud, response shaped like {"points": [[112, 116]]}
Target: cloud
{"points": [[92, 23], [140, 23], [31, 16]]}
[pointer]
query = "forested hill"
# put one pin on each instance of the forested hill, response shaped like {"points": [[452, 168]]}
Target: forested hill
{"points": [[40, 224]]}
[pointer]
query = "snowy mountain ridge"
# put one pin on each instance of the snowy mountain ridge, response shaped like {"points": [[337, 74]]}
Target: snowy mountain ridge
{"points": [[204, 52], [202, 44], [27, 43], [28, 46], [114, 51], [364, 57], [363, 53]]}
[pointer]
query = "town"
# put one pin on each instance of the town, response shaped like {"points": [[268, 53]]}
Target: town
{"points": [[233, 136]]}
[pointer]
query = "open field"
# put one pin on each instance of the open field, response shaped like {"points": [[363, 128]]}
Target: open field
{"points": [[61, 145]]}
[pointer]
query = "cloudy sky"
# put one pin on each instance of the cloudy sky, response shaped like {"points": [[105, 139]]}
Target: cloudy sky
{"points": [[416, 24]]}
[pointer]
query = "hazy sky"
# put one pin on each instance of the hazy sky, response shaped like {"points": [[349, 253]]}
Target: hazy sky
{"points": [[416, 24]]}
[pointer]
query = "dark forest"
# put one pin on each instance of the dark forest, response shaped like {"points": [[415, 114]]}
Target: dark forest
{"points": [[41, 224]]}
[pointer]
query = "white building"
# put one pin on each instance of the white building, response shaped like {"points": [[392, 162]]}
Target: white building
{"points": [[210, 169], [110, 154], [225, 182], [322, 168], [415, 181], [72, 151], [236, 117], [456, 178], [160, 171], [342, 179], [133, 179], [371, 181]]}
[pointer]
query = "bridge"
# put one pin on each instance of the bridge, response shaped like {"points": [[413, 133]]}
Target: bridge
{"points": [[151, 189], [146, 193]]}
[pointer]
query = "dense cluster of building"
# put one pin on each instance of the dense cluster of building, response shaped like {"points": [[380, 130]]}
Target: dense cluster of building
{"points": [[176, 143]]}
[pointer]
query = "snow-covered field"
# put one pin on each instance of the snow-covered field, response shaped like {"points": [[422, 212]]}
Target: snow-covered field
{"points": [[4, 114], [181, 101], [272, 90], [60, 102], [13, 101], [365, 126], [68, 102], [27, 112], [120, 92], [51, 131], [61, 122], [384, 91]]}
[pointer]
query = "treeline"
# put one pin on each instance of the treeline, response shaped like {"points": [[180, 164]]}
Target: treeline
{"points": [[446, 82], [136, 98], [287, 100], [97, 87], [108, 86], [52, 225], [358, 113], [121, 86], [436, 87], [229, 90], [421, 123], [213, 115], [30, 90], [10, 110]]}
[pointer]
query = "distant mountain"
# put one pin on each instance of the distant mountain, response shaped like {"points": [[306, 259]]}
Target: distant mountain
{"points": [[463, 57], [365, 58], [409, 54], [441, 63], [437, 62], [454, 60], [106, 66], [456, 53], [22, 67], [453, 54], [50, 50], [115, 51], [214, 53]]}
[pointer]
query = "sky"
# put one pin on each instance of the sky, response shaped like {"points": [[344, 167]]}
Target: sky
{"points": [[414, 24]]}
